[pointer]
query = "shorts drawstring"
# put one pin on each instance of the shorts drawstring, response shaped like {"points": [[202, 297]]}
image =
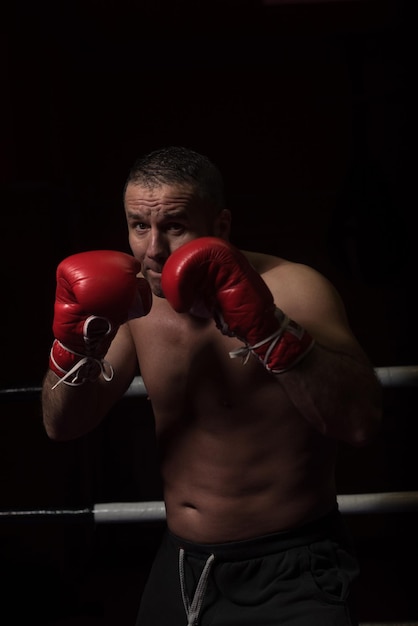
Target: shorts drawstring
{"points": [[193, 609]]}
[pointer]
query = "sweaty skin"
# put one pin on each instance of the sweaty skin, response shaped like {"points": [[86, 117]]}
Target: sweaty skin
{"points": [[242, 452]]}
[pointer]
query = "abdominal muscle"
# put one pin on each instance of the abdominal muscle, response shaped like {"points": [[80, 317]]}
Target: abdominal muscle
{"points": [[237, 459], [244, 474]]}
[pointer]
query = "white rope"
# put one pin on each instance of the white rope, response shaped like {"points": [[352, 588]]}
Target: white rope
{"points": [[390, 376], [349, 504], [398, 375], [154, 511]]}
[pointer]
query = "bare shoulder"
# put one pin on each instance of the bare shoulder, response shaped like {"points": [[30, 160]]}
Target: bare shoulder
{"points": [[263, 262], [290, 274], [302, 292]]}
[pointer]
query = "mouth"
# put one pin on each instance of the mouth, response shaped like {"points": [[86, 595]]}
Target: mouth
{"points": [[152, 274], [153, 278], [152, 270]]}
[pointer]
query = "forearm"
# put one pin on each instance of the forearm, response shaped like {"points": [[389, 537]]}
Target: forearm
{"points": [[70, 412], [338, 393], [93, 357]]}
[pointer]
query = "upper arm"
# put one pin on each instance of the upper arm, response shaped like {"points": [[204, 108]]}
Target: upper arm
{"points": [[312, 301]]}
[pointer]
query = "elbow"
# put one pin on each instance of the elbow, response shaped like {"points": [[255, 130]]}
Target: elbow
{"points": [[362, 438], [58, 437], [56, 431], [55, 434], [367, 430]]}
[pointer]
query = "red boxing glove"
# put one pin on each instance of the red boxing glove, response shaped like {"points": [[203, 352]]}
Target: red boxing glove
{"points": [[96, 292], [211, 272]]}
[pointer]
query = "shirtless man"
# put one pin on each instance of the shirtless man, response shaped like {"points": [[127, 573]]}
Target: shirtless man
{"points": [[254, 376]]}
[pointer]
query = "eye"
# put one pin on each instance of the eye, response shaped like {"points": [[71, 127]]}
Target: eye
{"points": [[140, 226], [175, 227]]}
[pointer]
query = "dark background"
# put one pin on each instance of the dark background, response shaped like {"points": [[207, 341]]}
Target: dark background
{"points": [[307, 109]]}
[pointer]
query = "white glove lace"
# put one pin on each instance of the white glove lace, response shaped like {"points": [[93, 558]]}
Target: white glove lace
{"points": [[82, 370], [88, 367], [273, 339]]}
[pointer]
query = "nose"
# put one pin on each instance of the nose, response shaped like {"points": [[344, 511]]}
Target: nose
{"points": [[157, 248]]}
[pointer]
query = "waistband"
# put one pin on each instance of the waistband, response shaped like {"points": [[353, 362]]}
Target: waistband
{"points": [[328, 526]]}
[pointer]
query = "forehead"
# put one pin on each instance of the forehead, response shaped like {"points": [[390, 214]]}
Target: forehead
{"points": [[164, 198]]}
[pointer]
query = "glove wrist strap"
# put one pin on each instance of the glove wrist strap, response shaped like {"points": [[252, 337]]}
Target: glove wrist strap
{"points": [[74, 369], [289, 344]]}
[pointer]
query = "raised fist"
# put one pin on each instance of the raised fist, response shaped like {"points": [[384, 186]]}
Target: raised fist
{"points": [[96, 292], [211, 273]]}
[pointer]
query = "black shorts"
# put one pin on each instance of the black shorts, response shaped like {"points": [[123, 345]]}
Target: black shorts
{"points": [[300, 577]]}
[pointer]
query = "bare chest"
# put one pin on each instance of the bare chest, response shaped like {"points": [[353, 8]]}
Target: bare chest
{"points": [[188, 372]]}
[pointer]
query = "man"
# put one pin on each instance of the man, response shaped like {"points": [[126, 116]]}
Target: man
{"points": [[254, 376]]}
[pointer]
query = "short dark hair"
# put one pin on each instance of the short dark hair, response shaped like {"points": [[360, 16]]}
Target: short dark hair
{"points": [[176, 164]]}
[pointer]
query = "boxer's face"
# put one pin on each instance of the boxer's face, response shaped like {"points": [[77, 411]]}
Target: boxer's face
{"points": [[162, 218]]}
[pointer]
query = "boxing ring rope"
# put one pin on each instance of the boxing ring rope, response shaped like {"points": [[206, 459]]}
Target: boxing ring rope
{"points": [[154, 511], [390, 376]]}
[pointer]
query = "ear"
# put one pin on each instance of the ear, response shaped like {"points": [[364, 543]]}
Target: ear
{"points": [[222, 224]]}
